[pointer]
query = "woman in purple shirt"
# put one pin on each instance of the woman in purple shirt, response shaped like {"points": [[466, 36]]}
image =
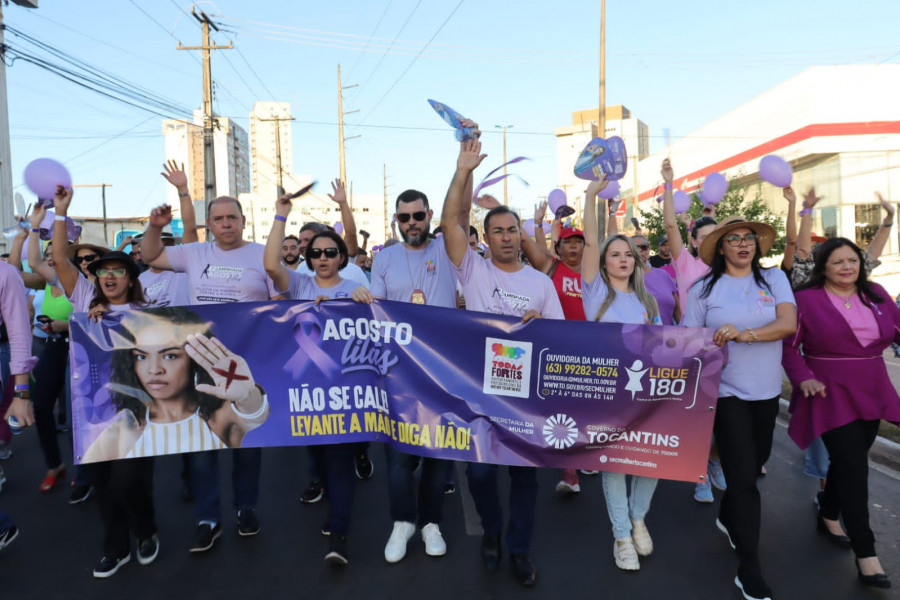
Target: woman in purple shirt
{"points": [[842, 389]]}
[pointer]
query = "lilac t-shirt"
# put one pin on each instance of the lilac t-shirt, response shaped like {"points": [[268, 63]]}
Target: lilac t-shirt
{"points": [[625, 308], [219, 276], [688, 269], [753, 371], [304, 287], [165, 288], [662, 287], [489, 289], [83, 294], [398, 270]]}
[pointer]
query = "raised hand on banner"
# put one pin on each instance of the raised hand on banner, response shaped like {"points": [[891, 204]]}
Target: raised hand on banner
{"points": [[161, 216], [531, 314], [232, 379], [96, 313], [362, 295]]}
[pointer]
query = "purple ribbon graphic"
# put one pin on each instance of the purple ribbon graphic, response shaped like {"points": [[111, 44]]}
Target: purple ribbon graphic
{"points": [[487, 182], [307, 334]]}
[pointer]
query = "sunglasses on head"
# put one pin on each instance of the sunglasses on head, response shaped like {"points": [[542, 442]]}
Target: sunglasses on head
{"points": [[117, 272], [643, 246], [89, 258], [418, 216], [328, 252]]}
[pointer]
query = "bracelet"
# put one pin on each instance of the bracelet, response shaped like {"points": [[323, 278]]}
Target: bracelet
{"points": [[22, 395], [21, 386], [668, 187], [280, 218], [59, 218], [33, 230], [805, 211], [753, 334], [184, 195], [887, 224]]}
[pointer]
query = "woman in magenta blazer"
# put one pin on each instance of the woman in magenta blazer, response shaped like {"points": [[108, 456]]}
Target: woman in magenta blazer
{"points": [[841, 387]]}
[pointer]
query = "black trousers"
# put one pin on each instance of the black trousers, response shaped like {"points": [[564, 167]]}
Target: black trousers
{"points": [[744, 431], [49, 378], [125, 498], [847, 489]]}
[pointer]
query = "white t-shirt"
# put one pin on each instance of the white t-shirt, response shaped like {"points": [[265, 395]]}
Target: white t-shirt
{"points": [[492, 290], [220, 276]]}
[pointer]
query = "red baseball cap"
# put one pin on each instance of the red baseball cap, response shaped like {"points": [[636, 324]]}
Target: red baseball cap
{"points": [[567, 232]]}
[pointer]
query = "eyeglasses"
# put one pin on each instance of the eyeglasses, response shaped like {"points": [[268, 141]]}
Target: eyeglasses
{"points": [[734, 240], [328, 252], [643, 246], [418, 216], [87, 258], [117, 272]]}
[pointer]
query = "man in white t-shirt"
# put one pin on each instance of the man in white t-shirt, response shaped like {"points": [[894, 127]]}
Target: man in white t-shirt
{"points": [[227, 269], [500, 285]]}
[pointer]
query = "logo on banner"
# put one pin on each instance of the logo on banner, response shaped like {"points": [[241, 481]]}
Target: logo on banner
{"points": [[560, 431], [507, 367]]}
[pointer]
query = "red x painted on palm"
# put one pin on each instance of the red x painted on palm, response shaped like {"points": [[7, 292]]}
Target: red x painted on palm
{"points": [[230, 375]]}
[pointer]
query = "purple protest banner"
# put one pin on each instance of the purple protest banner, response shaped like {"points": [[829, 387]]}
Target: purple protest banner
{"points": [[431, 381]]}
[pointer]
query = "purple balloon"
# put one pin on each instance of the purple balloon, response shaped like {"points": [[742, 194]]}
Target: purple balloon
{"points": [[681, 201], [659, 198], [610, 191], [547, 226], [714, 188], [556, 200], [776, 171], [339, 228], [528, 226], [42, 175]]}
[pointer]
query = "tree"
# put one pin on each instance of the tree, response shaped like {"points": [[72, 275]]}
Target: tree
{"points": [[735, 202]]}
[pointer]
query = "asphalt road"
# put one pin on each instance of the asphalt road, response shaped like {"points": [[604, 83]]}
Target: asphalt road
{"points": [[572, 549]]}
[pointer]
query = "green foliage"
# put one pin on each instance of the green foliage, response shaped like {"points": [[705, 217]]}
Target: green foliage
{"points": [[735, 202]]}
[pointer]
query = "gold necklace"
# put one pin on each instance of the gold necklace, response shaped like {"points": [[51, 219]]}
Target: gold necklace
{"points": [[845, 299]]}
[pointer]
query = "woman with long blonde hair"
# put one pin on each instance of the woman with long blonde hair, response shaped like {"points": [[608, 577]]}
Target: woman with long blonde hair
{"points": [[613, 291]]}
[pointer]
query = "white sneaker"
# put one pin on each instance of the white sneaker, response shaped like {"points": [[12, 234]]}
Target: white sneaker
{"points": [[568, 488], [434, 541], [643, 543], [395, 549], [625, 555]]}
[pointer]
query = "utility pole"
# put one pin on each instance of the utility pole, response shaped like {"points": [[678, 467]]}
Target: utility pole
{"points": [[504, 128], [278, 120], [102, 187], [341, 138], [6, 189], [209, 121]]}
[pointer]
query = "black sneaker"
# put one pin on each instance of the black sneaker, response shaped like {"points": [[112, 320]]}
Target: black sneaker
{"points": [[315, 491], [449, 488], [8, 535], [205, 537], [80, 493], [326, 529], [752, 585], [337, 551], [364, 466], [147, 549], [248, 524], [107, 567], [524, 569]]}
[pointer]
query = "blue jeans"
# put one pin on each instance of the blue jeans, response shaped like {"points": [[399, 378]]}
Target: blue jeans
{"points": [[401, 487], [5, 521], [204, 468], [522, 501], [817, 460], [337, 464], [624, 508]]}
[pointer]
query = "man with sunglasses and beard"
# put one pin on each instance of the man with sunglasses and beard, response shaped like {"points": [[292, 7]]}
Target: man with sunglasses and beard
{"points": [[417, 271]]}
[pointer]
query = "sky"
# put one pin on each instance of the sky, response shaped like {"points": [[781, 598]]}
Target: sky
{"points": [[527, 65]]}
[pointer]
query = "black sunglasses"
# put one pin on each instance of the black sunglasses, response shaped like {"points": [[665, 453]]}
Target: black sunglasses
{"points": [[85, 258], [328, 252], [643, 246], [418, 216]]}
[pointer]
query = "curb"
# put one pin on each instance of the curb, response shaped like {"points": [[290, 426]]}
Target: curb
{"points": [[884, 452]]}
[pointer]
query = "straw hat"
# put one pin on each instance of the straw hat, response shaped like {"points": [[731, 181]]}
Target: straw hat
{"points": [[96, 245], [765, 235]]}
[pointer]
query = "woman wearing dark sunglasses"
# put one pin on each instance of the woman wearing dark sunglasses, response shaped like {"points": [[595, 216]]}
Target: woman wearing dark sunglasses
{"points": [[124, 487]]}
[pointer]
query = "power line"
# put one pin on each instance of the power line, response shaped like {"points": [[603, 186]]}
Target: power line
{"points": [[371, 37], [253, 71], [406, 70], [381, 60]]}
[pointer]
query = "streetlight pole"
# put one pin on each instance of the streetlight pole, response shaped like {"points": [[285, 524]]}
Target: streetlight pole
{"points": [[102, 187], [504, 128]]}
